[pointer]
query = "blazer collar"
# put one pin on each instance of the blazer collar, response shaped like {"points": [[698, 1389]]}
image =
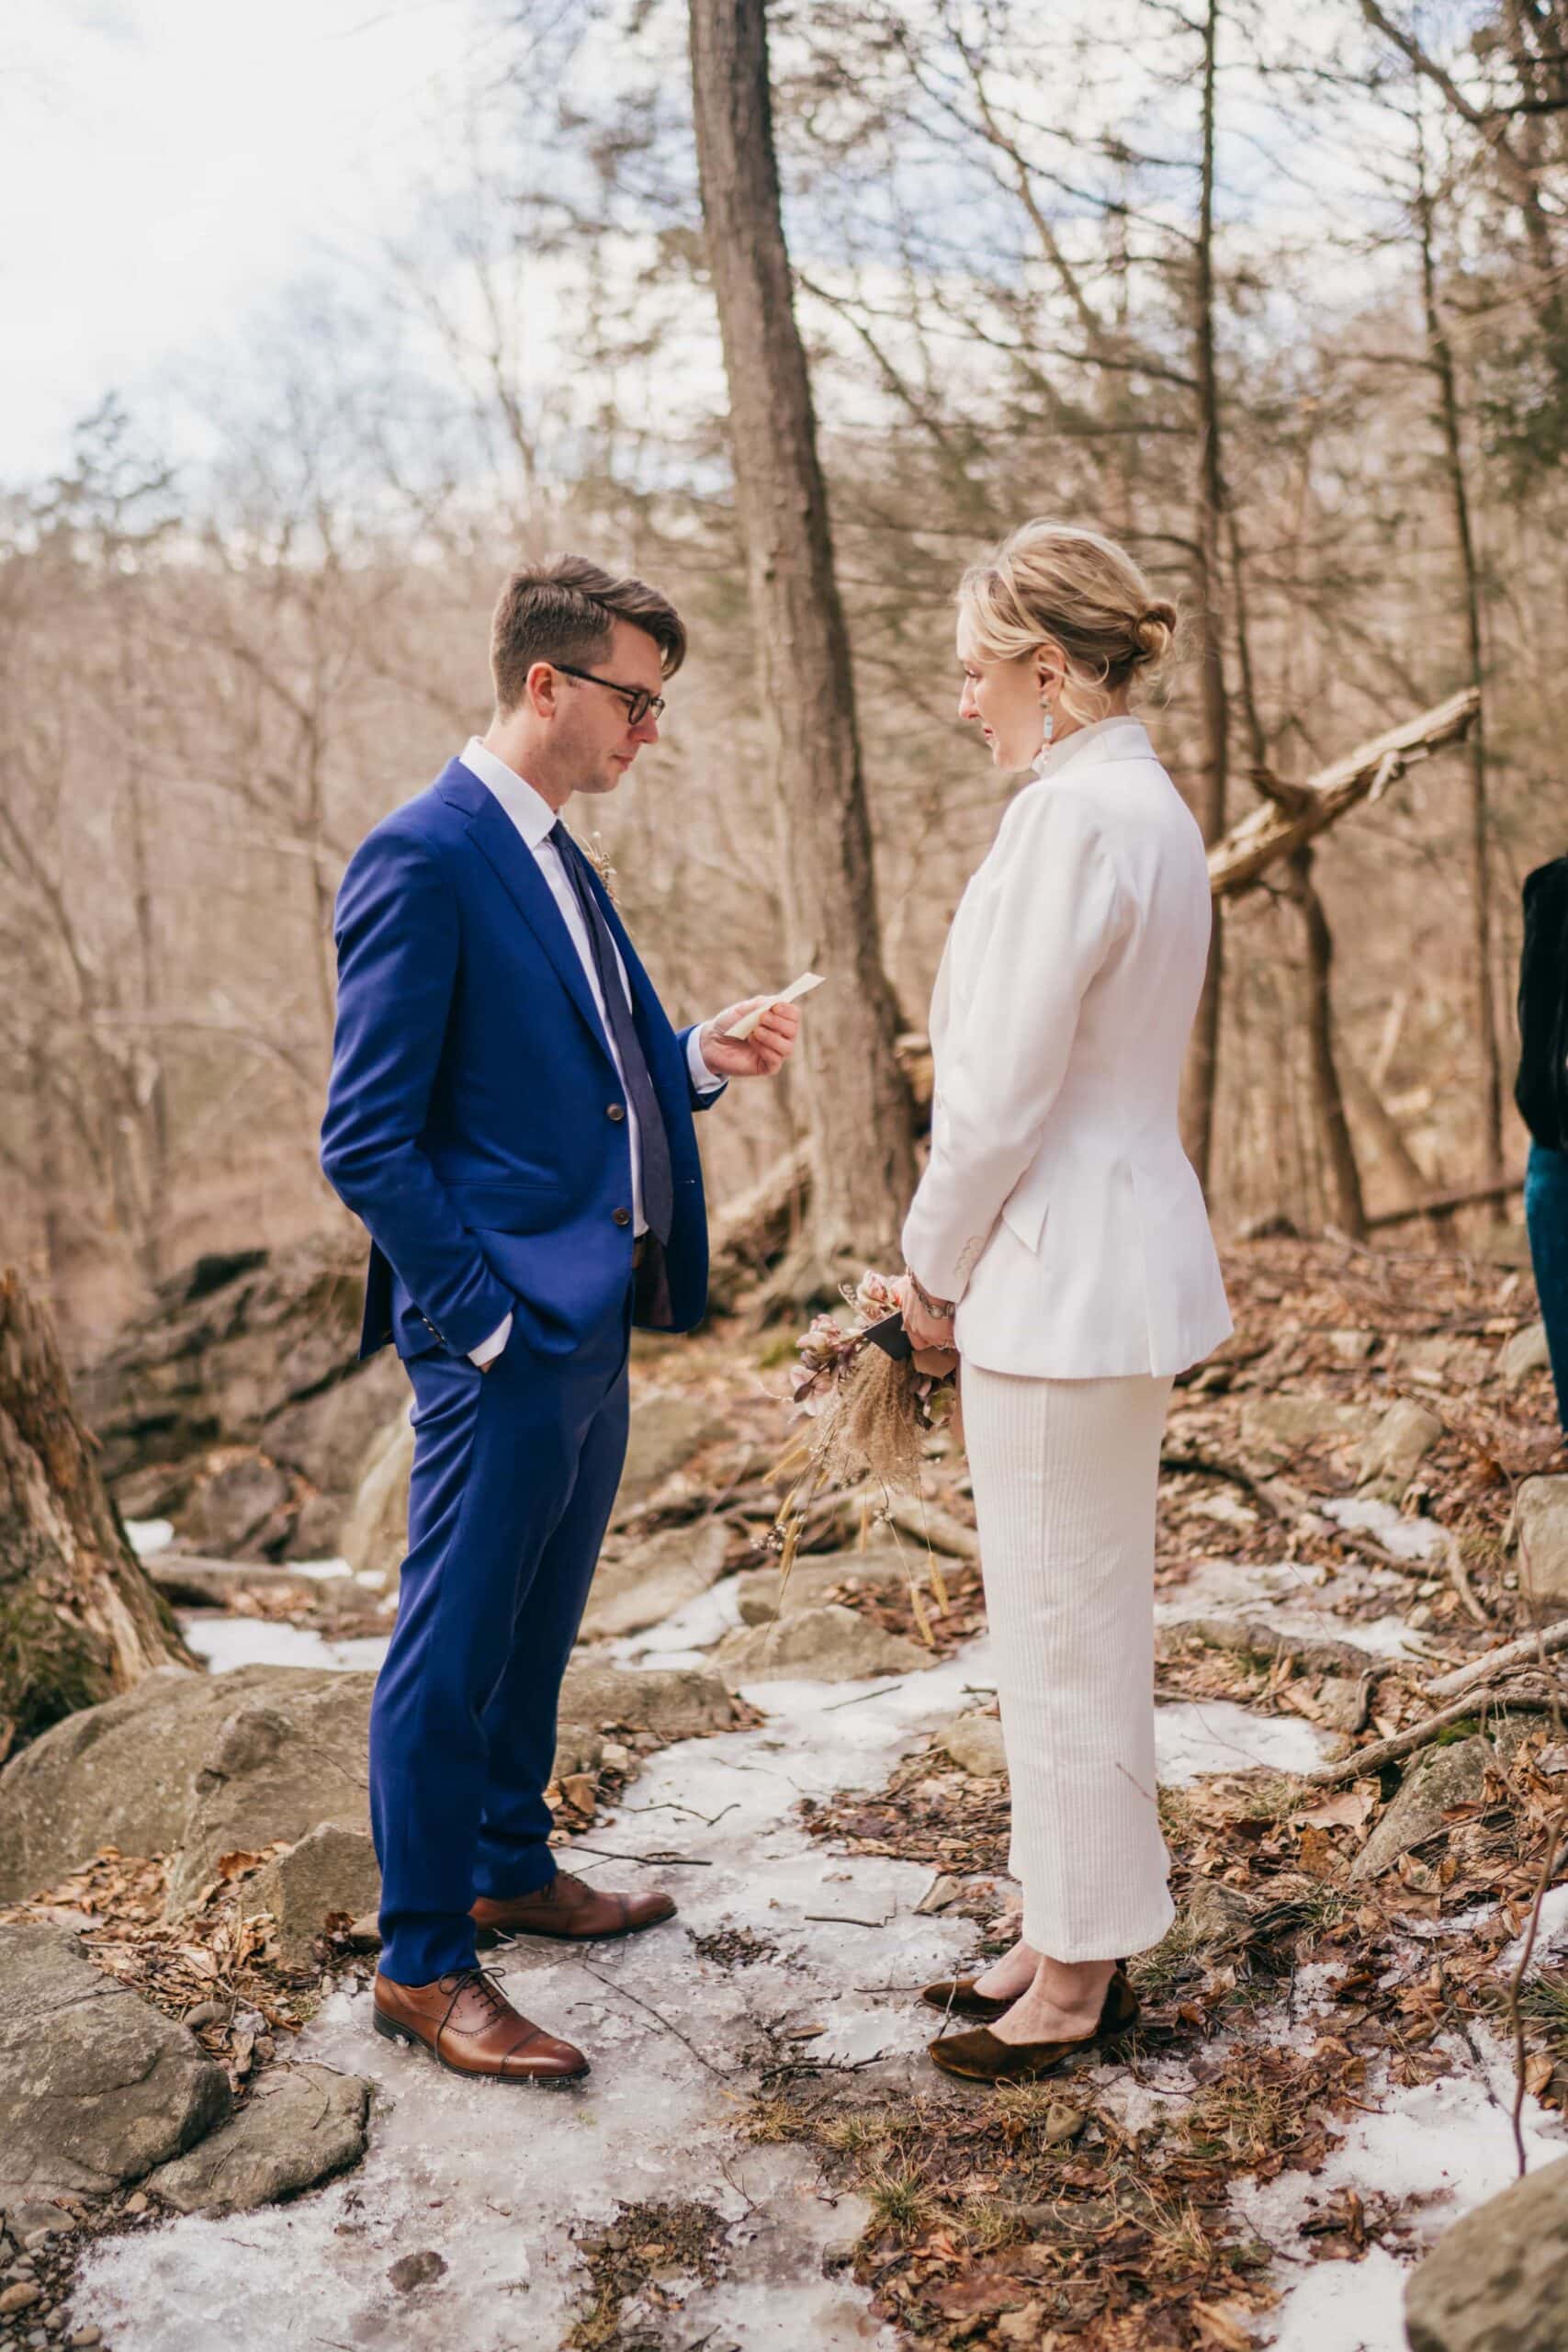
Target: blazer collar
{"points": [[493, 833], [1120, 738]]}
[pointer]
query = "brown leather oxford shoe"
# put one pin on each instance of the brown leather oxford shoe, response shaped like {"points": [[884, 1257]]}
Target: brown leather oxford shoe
{"points": [[570, 1911], [983, 2056], [468, 2024]]}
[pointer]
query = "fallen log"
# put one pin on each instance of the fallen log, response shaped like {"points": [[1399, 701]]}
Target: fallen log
{"points": [[1238, 860], [1439, 1203], [1538, 1697], [1526, 1651]]}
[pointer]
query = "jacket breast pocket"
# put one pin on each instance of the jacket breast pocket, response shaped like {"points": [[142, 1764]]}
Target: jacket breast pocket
{"points": [[508, 1204]]}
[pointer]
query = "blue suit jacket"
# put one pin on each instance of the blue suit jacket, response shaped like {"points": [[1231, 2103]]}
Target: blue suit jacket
{"points": [[475, 1116]]}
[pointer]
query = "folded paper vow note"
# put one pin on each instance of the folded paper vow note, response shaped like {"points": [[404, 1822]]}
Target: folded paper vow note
{"points": [[748, 1022]]}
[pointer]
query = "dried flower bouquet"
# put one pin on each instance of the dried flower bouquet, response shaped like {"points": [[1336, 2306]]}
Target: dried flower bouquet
{"points": [[870, 1418]]}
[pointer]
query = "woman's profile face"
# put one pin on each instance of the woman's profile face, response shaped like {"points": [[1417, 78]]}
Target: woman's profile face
{"points": [[1003, 700]]}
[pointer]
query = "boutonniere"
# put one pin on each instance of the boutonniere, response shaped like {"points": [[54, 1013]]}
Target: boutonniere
{"points": [[598, 857]]}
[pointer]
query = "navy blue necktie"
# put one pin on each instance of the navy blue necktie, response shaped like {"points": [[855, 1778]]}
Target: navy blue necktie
{"points": [[658, 1179]]}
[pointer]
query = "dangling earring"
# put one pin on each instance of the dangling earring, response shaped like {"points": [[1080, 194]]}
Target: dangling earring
{"points": [[1049, 723]]}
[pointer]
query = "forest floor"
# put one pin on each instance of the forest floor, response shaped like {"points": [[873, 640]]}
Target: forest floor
{"points": [[1327, 2071]]}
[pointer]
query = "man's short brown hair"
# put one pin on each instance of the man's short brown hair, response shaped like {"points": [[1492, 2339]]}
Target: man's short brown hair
{"points": [[564, 610]]}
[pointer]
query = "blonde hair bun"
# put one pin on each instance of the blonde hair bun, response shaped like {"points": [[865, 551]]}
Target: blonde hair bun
{"points": [[1057, 580], [1155, 633]]}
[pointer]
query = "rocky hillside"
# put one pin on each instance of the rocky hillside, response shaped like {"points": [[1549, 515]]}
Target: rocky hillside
{"points": [[1361, 1561]]}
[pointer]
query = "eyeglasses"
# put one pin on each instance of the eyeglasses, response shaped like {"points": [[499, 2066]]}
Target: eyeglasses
{"points": [[639, 703]]}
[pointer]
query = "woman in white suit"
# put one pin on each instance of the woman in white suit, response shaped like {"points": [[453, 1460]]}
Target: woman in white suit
{"points": [[1058, 1239]]}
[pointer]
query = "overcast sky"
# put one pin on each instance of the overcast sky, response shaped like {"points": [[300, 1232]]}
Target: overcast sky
{"points": [[166, 165]]}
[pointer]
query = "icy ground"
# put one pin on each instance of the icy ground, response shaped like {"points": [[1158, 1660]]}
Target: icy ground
{"points": [[503, 2182]]}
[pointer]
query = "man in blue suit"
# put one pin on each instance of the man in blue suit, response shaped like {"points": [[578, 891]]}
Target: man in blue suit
{"points": [[511, 1114]]}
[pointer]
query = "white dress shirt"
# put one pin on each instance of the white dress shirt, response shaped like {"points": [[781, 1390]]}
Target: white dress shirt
{"points": [[533, 817]]}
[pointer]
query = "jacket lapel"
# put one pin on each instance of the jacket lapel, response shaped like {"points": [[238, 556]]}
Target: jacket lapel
{"points": [[493, 833]]}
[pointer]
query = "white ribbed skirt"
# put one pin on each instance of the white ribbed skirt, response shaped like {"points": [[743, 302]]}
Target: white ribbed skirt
{"points": [[1065, 1473]]}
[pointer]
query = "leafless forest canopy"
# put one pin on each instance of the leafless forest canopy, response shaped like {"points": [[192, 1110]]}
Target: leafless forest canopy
{"points": [[1275, 295]]}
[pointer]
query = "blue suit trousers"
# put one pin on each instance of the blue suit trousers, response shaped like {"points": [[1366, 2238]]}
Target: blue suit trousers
{"points": [[514, 1476]]}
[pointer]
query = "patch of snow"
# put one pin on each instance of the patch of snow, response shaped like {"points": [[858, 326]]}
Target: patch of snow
{"points": [[684, 1637], [1286, 1599], [1551, 1935], [1342, 2307], [146, 1536], [228, 1642], [1152, 2092], [1197, 1736], [1438, 2149], [1407, 1539], [1223, 1507], [322, 1571], [1214, 1586]]}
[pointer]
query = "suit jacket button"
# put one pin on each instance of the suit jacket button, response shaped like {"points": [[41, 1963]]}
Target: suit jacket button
{"points": [[623, 1216], [616, 1111]]}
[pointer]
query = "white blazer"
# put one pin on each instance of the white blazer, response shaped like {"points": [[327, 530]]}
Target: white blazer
{"points": [[1058, 1207]]}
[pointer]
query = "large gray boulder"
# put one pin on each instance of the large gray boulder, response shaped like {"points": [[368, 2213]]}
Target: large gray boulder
{"points": [[1499, 2280], [1436, 1781], [302, 2125], [674, 1702], [829, 1645], [1542, 1521], [95, 2085], [252, 1350], [647, 1581], [333, 1868], [290, 1754], [191, 1765], [120, 1774], [200, 1765]]}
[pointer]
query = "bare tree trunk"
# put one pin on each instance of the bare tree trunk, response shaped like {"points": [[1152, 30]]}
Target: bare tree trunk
{"points": [[1328, 1096], [51, 1173], [1336, 1147], [1387, 1134], [154, 1124], [79, 1618], [1440, 353], [854, 1096], [1200, 1077]]}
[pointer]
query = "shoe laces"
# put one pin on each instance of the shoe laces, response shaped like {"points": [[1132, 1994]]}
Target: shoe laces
{"points": [[486, 1983]]}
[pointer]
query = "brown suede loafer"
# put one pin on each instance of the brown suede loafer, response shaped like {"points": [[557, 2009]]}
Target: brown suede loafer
{"points": [[956, 1996], [982, 2056], [468, 2024], [568, 1910]]}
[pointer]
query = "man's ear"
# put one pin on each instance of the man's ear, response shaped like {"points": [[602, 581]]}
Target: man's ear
{"points": [[541, 688]]}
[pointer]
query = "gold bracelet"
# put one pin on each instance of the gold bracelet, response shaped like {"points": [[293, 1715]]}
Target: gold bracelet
{"points": [[940, 1310]]}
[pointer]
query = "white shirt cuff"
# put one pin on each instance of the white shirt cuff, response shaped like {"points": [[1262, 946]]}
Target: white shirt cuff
{"points": [[488, 1350], [705, 1081]]}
